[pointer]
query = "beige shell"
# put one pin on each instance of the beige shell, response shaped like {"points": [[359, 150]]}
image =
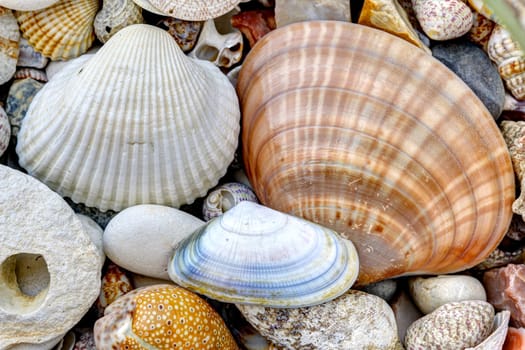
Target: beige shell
{"points": [[443, 20], [115, 15], [496, 339], [139, 122], [381, 143], [514, 134], [146, 5], [456, 325], [506, 53], [62, 31], [9, 36], [5, 131], [194, 10]]}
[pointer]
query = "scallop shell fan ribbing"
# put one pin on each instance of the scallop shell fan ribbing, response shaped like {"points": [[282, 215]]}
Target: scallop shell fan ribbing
{"points": [[379, 142], [194, 10], [61, 31], [256, 255], [138, 123]]}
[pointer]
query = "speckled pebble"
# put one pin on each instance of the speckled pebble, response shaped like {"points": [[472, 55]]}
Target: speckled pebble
{"points": [[20, 96], [432, 292], [474, 67], [355, 320], [453, 326]]}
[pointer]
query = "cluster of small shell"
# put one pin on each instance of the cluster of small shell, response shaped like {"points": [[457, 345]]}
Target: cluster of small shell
{"points": [[361, 163]]}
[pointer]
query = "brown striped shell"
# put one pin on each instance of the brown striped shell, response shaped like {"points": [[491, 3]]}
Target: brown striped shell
{"points": [[62, 31], [379, 142]]}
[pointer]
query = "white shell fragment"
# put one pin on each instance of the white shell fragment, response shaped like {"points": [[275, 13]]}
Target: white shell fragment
{"points": [[141, 238], [51, 269], [256, 255], [456, 325], [29, 57], [9, 37], [225, 197], [223, 50], [137, 123], [355, 320], [432, 292]]}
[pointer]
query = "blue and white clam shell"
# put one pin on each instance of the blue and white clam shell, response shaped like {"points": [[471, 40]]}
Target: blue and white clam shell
{"points": [[256, 255]]}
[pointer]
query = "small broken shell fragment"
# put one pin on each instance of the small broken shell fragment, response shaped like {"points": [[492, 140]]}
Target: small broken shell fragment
{"points": [[33, 73], [254, 24], [5, 131], [225, 197], [115, 283], [9, 37], [455, 325], [256, 255], [184, 32], [389, 16], [514, 135]]}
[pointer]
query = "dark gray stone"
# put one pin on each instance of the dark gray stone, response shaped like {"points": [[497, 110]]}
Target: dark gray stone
{"points": [[474, 67]]}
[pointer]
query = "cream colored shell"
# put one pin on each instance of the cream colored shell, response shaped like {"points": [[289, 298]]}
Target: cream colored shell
{"points": [[62, 31], [9, 50], [506, 53], [194, 10], [138, 123]]}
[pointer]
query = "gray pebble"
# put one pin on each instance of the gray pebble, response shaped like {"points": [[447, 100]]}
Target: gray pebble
{"points": [[472, 64]]}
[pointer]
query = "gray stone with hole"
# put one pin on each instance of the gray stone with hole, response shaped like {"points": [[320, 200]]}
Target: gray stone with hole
{"points": [[50, 270]]}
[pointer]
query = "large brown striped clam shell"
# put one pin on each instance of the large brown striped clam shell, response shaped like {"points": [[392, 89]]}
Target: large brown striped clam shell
{"points": [[357, 130]]}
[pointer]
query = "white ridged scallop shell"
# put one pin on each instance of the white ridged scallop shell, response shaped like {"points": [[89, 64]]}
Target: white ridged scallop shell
{"points": [[256, 255], [115, 15], [226, 197], [62, 31], [137, 123], [9, 37], [506, 53], [27, 5]]}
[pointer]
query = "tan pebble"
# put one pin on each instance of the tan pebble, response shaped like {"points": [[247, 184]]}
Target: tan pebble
{"points": [[443, 19], [455, 325], [432, 292], [115, 15]]}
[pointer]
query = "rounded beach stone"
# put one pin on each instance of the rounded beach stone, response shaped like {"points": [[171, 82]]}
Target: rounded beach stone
{"points": [[50, 268], [432, 292], [475, 68], [141, 238], [452, 326], [355, 320]]}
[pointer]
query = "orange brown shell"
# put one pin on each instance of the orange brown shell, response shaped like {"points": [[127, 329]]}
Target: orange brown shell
{"points": [[162, 317], [357, 130]]}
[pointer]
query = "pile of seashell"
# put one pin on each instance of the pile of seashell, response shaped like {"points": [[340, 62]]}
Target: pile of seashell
{"points": [[257, 174]]}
